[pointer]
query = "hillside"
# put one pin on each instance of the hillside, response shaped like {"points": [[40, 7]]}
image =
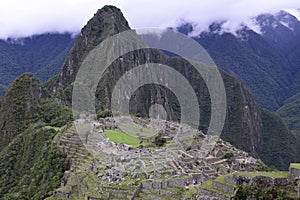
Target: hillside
{"points": [[267, 62], [17, 105], [41, 55], [31, 166], [290, 113]]}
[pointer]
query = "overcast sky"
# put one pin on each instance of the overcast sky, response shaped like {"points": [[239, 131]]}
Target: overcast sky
{"points": [[19, 18]]}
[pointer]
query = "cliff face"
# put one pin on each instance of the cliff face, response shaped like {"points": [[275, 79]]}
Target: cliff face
{"points": [[247, 126], [16, 106]]}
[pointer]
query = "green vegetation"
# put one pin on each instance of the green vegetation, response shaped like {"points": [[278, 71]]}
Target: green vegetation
{"points": [[104, 113], [57, 129], [228, 155], [220, 179], [295, 165], [144, 132], [31, 167], [208, 186], [278, 146], [41, 55], [290, 113], [262, 192], [51, 112], [262, 167], [257, 56], [191, 192], [118, 136], [277, 174], [159, 140], [16, 107]]}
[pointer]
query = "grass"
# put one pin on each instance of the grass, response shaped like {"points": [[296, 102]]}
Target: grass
{"points": [[191, 192], [278, 174], [208, 186], [52, 127], [118, 136], [295, 165], [220, 179], [138, 130]]}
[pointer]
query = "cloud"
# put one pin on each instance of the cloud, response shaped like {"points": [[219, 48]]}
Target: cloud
{"points": [[295, 12], [19, 18]]}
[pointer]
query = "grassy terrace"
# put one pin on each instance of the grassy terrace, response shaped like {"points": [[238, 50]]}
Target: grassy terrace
{"points": [[208, 186], [118, 136], [295, 165], [220, 179], [267, 174], [53, 127], [137, 130]]}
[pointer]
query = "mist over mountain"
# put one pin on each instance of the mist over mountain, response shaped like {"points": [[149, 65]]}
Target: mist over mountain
{"points": [[266, 60]]}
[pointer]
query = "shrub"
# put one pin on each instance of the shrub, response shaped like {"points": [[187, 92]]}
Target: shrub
{"points": [[104, 114], [159, 140], [228, 155]]}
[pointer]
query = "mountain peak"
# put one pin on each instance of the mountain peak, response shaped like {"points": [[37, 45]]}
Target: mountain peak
{"points": [[106, 22]]}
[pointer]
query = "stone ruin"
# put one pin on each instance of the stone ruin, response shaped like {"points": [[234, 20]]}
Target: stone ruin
{"points": [[168, 161], [294, 175], [168, 167]]}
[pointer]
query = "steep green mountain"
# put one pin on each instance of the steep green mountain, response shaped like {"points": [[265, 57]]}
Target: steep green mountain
{"points": [[267, 62], [237, 57], [41, 55], [290, 113], [247, 125], [17, 105], [31, 165]]}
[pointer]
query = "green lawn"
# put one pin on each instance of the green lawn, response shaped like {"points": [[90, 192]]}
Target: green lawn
{"points": [[295, 165], [118, 136], [136, 130], [267, 174]]}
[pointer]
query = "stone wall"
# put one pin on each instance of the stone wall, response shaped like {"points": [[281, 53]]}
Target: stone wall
{"points": [[210, 195], [223, 187], [263, 180], [294, 173], [230, 179]]}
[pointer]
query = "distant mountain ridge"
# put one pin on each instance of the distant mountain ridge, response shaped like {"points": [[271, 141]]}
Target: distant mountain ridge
{"points": [[41, 55], [266, 61]]}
